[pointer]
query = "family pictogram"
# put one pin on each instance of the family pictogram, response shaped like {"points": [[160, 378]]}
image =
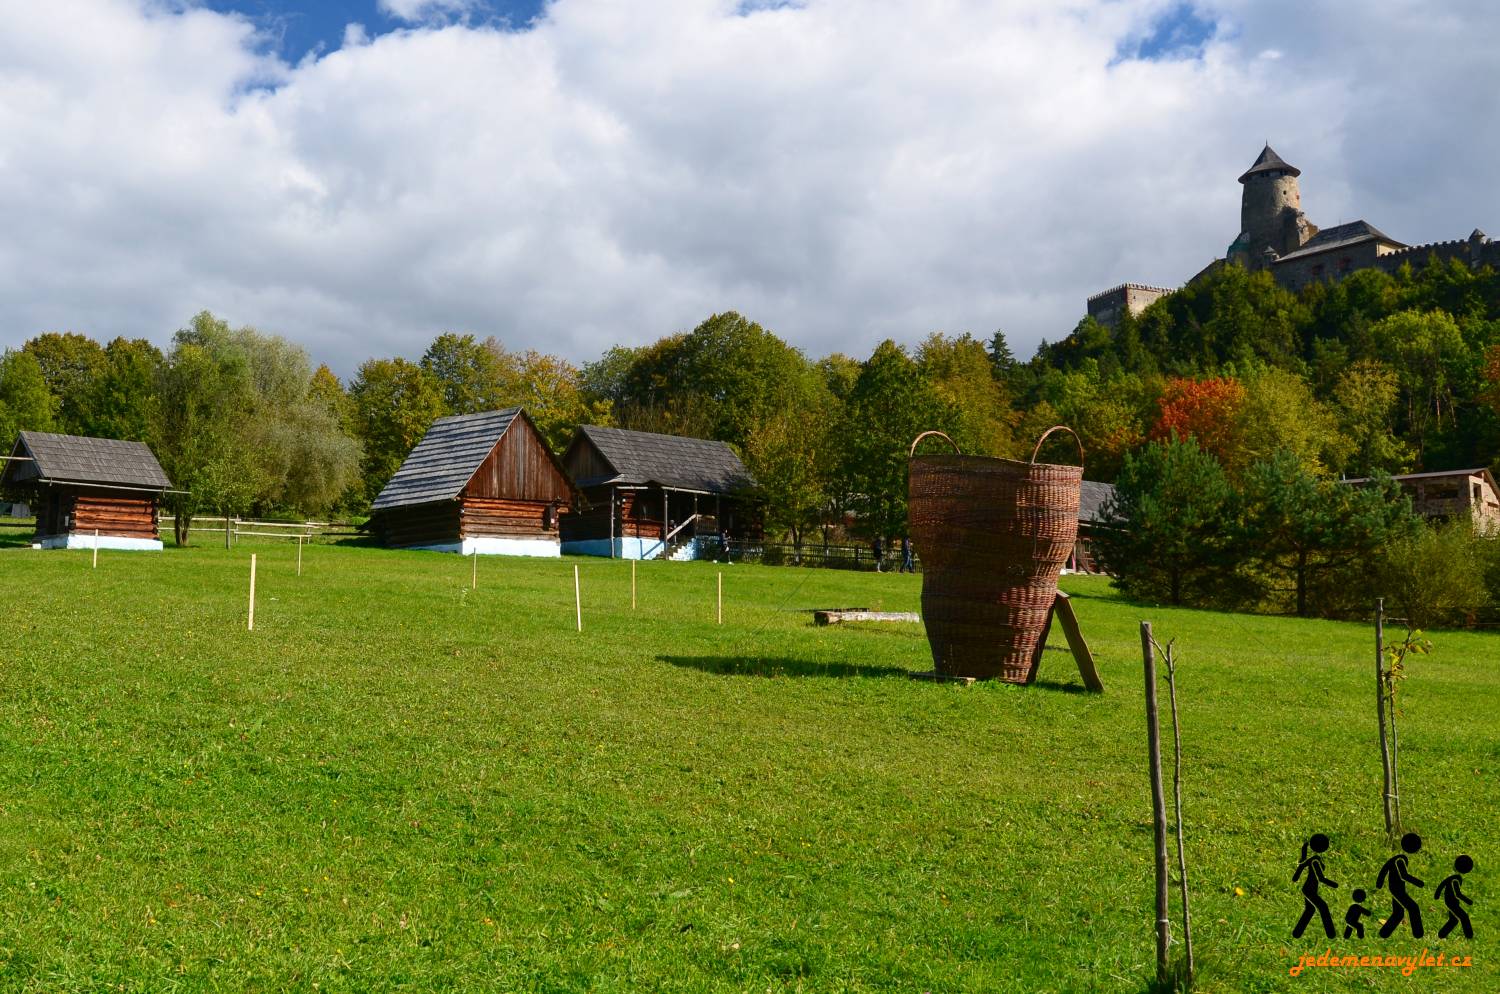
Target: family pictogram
{"points": [[1394, 878]]}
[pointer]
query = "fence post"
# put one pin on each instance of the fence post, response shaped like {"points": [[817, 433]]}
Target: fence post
{"points": [[1158, 804], [299, 555], [721, 598], [577, 599], [96, 548], [632, 585], [250, 625]]}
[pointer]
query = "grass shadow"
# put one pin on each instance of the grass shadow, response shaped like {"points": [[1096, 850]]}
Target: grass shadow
{"points": [[779, 666], [1057, 686]]}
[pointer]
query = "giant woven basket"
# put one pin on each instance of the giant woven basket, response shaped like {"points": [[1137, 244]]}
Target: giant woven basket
{"points": [[993, 535]]}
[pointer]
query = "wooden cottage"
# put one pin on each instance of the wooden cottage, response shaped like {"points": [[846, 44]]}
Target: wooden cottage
{"points": [[648, 496], [88, 491], [1092, 497], [1453, 493], [476, 483]]}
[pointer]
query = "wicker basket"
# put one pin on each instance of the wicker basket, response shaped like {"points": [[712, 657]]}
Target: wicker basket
{"points": [[993, 535]]}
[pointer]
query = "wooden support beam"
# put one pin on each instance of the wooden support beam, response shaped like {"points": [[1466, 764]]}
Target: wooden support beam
{"points": [[837, 617]]}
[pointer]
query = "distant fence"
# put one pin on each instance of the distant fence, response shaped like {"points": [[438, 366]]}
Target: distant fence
{"points": [[855, 557], [233, 528]]}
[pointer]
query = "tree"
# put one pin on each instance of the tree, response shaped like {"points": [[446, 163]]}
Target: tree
{"points": [[395, 402], [891, 403], [25, 402], [1206, 410], [121, 400], [1301, 528], [1106, 413], [1427, 352], [1278, 411], [551, 390], [70, 363], [788, 457], [1002, 359], [1165, 533], [961, 377], [1365, 396], [473, 376]]}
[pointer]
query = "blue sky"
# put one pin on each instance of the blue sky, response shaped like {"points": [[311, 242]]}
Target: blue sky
{"points": [[300, 27]]}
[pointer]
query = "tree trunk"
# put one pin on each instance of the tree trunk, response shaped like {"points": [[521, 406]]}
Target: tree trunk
{"points": [[1176, 588], [182, 523], [1301, 584], [1385, 750]]}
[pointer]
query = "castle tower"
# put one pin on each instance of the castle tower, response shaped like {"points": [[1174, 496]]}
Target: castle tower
{"points": [[1270, 212]]}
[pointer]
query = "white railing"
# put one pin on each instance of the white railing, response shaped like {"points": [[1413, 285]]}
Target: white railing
{"points": [[679, 528]]}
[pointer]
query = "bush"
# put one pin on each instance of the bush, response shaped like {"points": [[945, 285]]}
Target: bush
{"points": [[1436, 575]]}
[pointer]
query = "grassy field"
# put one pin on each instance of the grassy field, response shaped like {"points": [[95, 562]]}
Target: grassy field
{"points": [[395, 783]]}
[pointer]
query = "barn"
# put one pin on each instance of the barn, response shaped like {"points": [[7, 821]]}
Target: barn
{"points": [[88, 492], [476, 483], [648, 496]]}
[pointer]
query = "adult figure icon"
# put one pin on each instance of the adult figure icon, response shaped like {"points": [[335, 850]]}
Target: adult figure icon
{"points": [[1312, 901], [1394, 877]]}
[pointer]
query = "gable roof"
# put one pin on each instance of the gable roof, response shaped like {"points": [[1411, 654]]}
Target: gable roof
{"points": [[446, 458], [1340, 236], [1267, 161], [1091, 498], [98, 462], [641, 458]]}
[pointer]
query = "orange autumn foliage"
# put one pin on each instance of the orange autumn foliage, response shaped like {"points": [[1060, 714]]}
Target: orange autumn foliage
{"points": [[1205, 410]]}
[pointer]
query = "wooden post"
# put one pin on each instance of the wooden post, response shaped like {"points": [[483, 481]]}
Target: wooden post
{"points": [[611, 522], [474, 570], [666, 522], [226, 529], [1158, 804], [1182, 881], [299, 555], [96, 548], [577, 599], [1385, 748], [632, 585], [251, 624], [721, 598]]}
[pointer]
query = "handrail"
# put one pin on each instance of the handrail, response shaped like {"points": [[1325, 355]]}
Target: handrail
{"points": [[679, 528]]}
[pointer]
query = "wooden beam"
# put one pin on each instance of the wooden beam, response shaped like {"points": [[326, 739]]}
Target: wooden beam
{"points": [[837, 617], [1063, 607]]}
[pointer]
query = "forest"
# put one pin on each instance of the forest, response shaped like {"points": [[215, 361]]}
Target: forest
{"points": [[1217, 409]]}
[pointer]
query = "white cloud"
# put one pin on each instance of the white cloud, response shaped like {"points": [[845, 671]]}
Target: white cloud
{"points": [[842, 171], [423, 11]]}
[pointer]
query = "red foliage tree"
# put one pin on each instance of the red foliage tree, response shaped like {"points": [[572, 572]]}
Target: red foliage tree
{"points": [[1201, 409]]}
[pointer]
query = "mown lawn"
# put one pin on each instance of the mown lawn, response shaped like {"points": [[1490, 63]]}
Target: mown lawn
{"points": [[394, 783]]}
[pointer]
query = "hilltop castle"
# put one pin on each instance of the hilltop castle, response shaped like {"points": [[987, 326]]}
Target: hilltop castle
{"points": [[1276, 235]]}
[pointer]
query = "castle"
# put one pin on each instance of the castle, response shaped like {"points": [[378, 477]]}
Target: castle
{"points": [[1276, 235]]}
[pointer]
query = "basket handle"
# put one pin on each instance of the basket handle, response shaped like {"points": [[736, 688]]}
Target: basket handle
{"points": [[1037, 451], [918, 440]]}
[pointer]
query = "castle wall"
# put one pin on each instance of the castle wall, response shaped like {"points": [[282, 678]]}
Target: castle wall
{"points": [[1132, 298], [1329, 266]]}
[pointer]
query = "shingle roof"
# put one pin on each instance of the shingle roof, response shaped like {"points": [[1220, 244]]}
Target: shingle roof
{"points": [[1091, 498], [1340, 235], [445, 459], [643, 457], [1266, 162], [102, 462]]}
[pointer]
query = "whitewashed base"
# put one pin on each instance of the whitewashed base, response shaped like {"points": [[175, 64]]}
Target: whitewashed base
{"points": [[545, 548], [624, 548], [116, 542]]}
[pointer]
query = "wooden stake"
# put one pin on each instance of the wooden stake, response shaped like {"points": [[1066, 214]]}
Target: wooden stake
{"points": [[226, 529], [1187, 917], [632, 585], [299, 555], [1385, 748], [577, 599], [251, 623], [96, 548], [721, 598], [474, 571], [1158, 805]]}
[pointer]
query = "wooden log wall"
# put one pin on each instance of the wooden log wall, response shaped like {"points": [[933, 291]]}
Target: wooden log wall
{"points": [[425, 524], [493, 518], [114, 514]]}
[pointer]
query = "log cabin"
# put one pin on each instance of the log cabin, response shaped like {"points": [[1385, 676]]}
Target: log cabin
{"points": [[649, 496], [88, 492], [477, 483]]}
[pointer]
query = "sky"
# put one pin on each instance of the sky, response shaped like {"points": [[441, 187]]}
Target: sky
{"points": [[362, 175]]}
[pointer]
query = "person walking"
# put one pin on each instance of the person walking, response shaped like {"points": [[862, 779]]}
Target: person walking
{"points": [[879, 551], [907, 565], [1312, 901], [1393, 877]]}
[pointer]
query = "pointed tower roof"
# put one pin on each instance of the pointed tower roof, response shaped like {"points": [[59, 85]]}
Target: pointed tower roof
{"points": [[1267, 161]]}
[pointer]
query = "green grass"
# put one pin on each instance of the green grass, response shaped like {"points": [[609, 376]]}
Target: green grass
{"points": [[394, 783]]}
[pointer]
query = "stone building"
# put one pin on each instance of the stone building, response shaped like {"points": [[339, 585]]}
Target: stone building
{"points": [[1276, 235]]}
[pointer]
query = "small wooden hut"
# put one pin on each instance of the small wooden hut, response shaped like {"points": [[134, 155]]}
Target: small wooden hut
{"points": [[649, 496], [477, 483], [88, 491], [1092, 497]]}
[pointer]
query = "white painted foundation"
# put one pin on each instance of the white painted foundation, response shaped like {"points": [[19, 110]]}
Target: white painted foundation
{"points": [[76, 540], [546, 548]]}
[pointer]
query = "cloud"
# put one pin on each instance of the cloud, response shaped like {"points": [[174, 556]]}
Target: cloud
{"points": [[839, 170], [427, 11]]}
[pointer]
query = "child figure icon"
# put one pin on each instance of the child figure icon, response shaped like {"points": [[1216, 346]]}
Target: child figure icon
{"points": [[1449, 891], [1352, 924], [1312, 901]]}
